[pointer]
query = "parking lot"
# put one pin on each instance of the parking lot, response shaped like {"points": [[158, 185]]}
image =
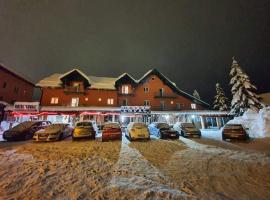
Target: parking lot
{"points": [[205, 168]]}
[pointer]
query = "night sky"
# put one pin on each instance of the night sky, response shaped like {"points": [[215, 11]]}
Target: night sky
{"points": [[190, 41]]}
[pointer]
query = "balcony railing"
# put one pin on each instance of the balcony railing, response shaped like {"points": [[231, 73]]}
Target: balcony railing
{"points": [[165, 95], [125, 94], [73, 90], [166, 108]]}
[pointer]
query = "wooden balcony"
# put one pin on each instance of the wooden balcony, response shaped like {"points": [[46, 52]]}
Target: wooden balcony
{"points": [[74, 90], [165, 95], [125, 94]]}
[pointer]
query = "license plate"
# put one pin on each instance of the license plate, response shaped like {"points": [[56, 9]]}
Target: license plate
{"points": [[141, 135], [173, 135]]}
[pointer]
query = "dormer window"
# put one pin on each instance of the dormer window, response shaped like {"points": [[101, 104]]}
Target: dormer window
{"points": [[124, 89]]}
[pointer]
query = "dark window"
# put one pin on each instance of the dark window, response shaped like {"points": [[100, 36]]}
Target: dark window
{"points": [[125, 102], [16, 90], [5, 84], [1, 98]]}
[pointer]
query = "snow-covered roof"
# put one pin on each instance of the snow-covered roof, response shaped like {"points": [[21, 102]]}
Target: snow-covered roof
{"points": [[50, 81], [102, 82], [54, 80], [126, 74], [79, 71]]}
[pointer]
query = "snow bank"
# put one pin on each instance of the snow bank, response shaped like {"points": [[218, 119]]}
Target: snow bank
{"points": [[257, 124]]}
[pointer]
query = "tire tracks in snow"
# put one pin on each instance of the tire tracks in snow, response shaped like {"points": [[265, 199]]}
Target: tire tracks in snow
{"points": [[135, 177]]}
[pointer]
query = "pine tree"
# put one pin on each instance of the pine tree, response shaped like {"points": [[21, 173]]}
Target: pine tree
{"points": [[221, 101], [196, 94], [243, 91]]}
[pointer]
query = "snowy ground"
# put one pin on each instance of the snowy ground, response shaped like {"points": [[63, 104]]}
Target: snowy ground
{"points": [[203, 168]]}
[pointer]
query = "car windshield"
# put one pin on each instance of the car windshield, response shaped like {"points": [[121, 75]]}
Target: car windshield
{"points": [[82, 124], [139, 125], [54, 127], [23, 126], [111, 125], [162, 125], [188, 125]]}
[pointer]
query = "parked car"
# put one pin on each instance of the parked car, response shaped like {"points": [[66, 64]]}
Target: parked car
{"points": [[137, 130], [234, 131], [24, 130], [163, 130], [53, 132], [84, 129], [111, 131], [187, 129]]}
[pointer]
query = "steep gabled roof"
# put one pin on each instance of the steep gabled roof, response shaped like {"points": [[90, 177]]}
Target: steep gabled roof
{"points": [[12, 72], [78, 71], [125, 77], [54, 80], [171, 84]]}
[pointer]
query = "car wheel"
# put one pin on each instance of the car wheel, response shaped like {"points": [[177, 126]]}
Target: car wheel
{"points": [[182, 134], [223, 137], [60, 136], [129, 137]]}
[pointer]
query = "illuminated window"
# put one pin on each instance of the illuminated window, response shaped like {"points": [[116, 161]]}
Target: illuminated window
{"points": [[54, 100], [146, 103], [99, 99], [110, 101], [171, 102], [124, 89], [193, 106], [86, 99], [146, 89], [75, 102]]}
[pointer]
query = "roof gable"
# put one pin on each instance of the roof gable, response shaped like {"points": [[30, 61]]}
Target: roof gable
{"points": [[124, 79], [171, 84], [73, 74]]}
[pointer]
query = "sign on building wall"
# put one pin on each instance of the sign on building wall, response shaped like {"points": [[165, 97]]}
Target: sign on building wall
{"points": [[26, 107], [135, 109]]}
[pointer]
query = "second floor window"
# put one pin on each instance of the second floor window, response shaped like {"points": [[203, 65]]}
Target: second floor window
{"points": [[16, 90], [110, 101], [146, 89], [75, 102], [178, 106], [54, 100], [124, 89], [146, 103], [193, 106]]}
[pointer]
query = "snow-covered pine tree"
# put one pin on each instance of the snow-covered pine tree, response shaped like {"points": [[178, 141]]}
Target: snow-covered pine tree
{"points": [[196, 94], [221, 101], [243, 91]]}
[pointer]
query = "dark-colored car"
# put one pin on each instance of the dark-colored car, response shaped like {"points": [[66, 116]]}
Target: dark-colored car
{"points": [[187, 129], [111, 131], [163, 130], [234, 131], [24, 130]]}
